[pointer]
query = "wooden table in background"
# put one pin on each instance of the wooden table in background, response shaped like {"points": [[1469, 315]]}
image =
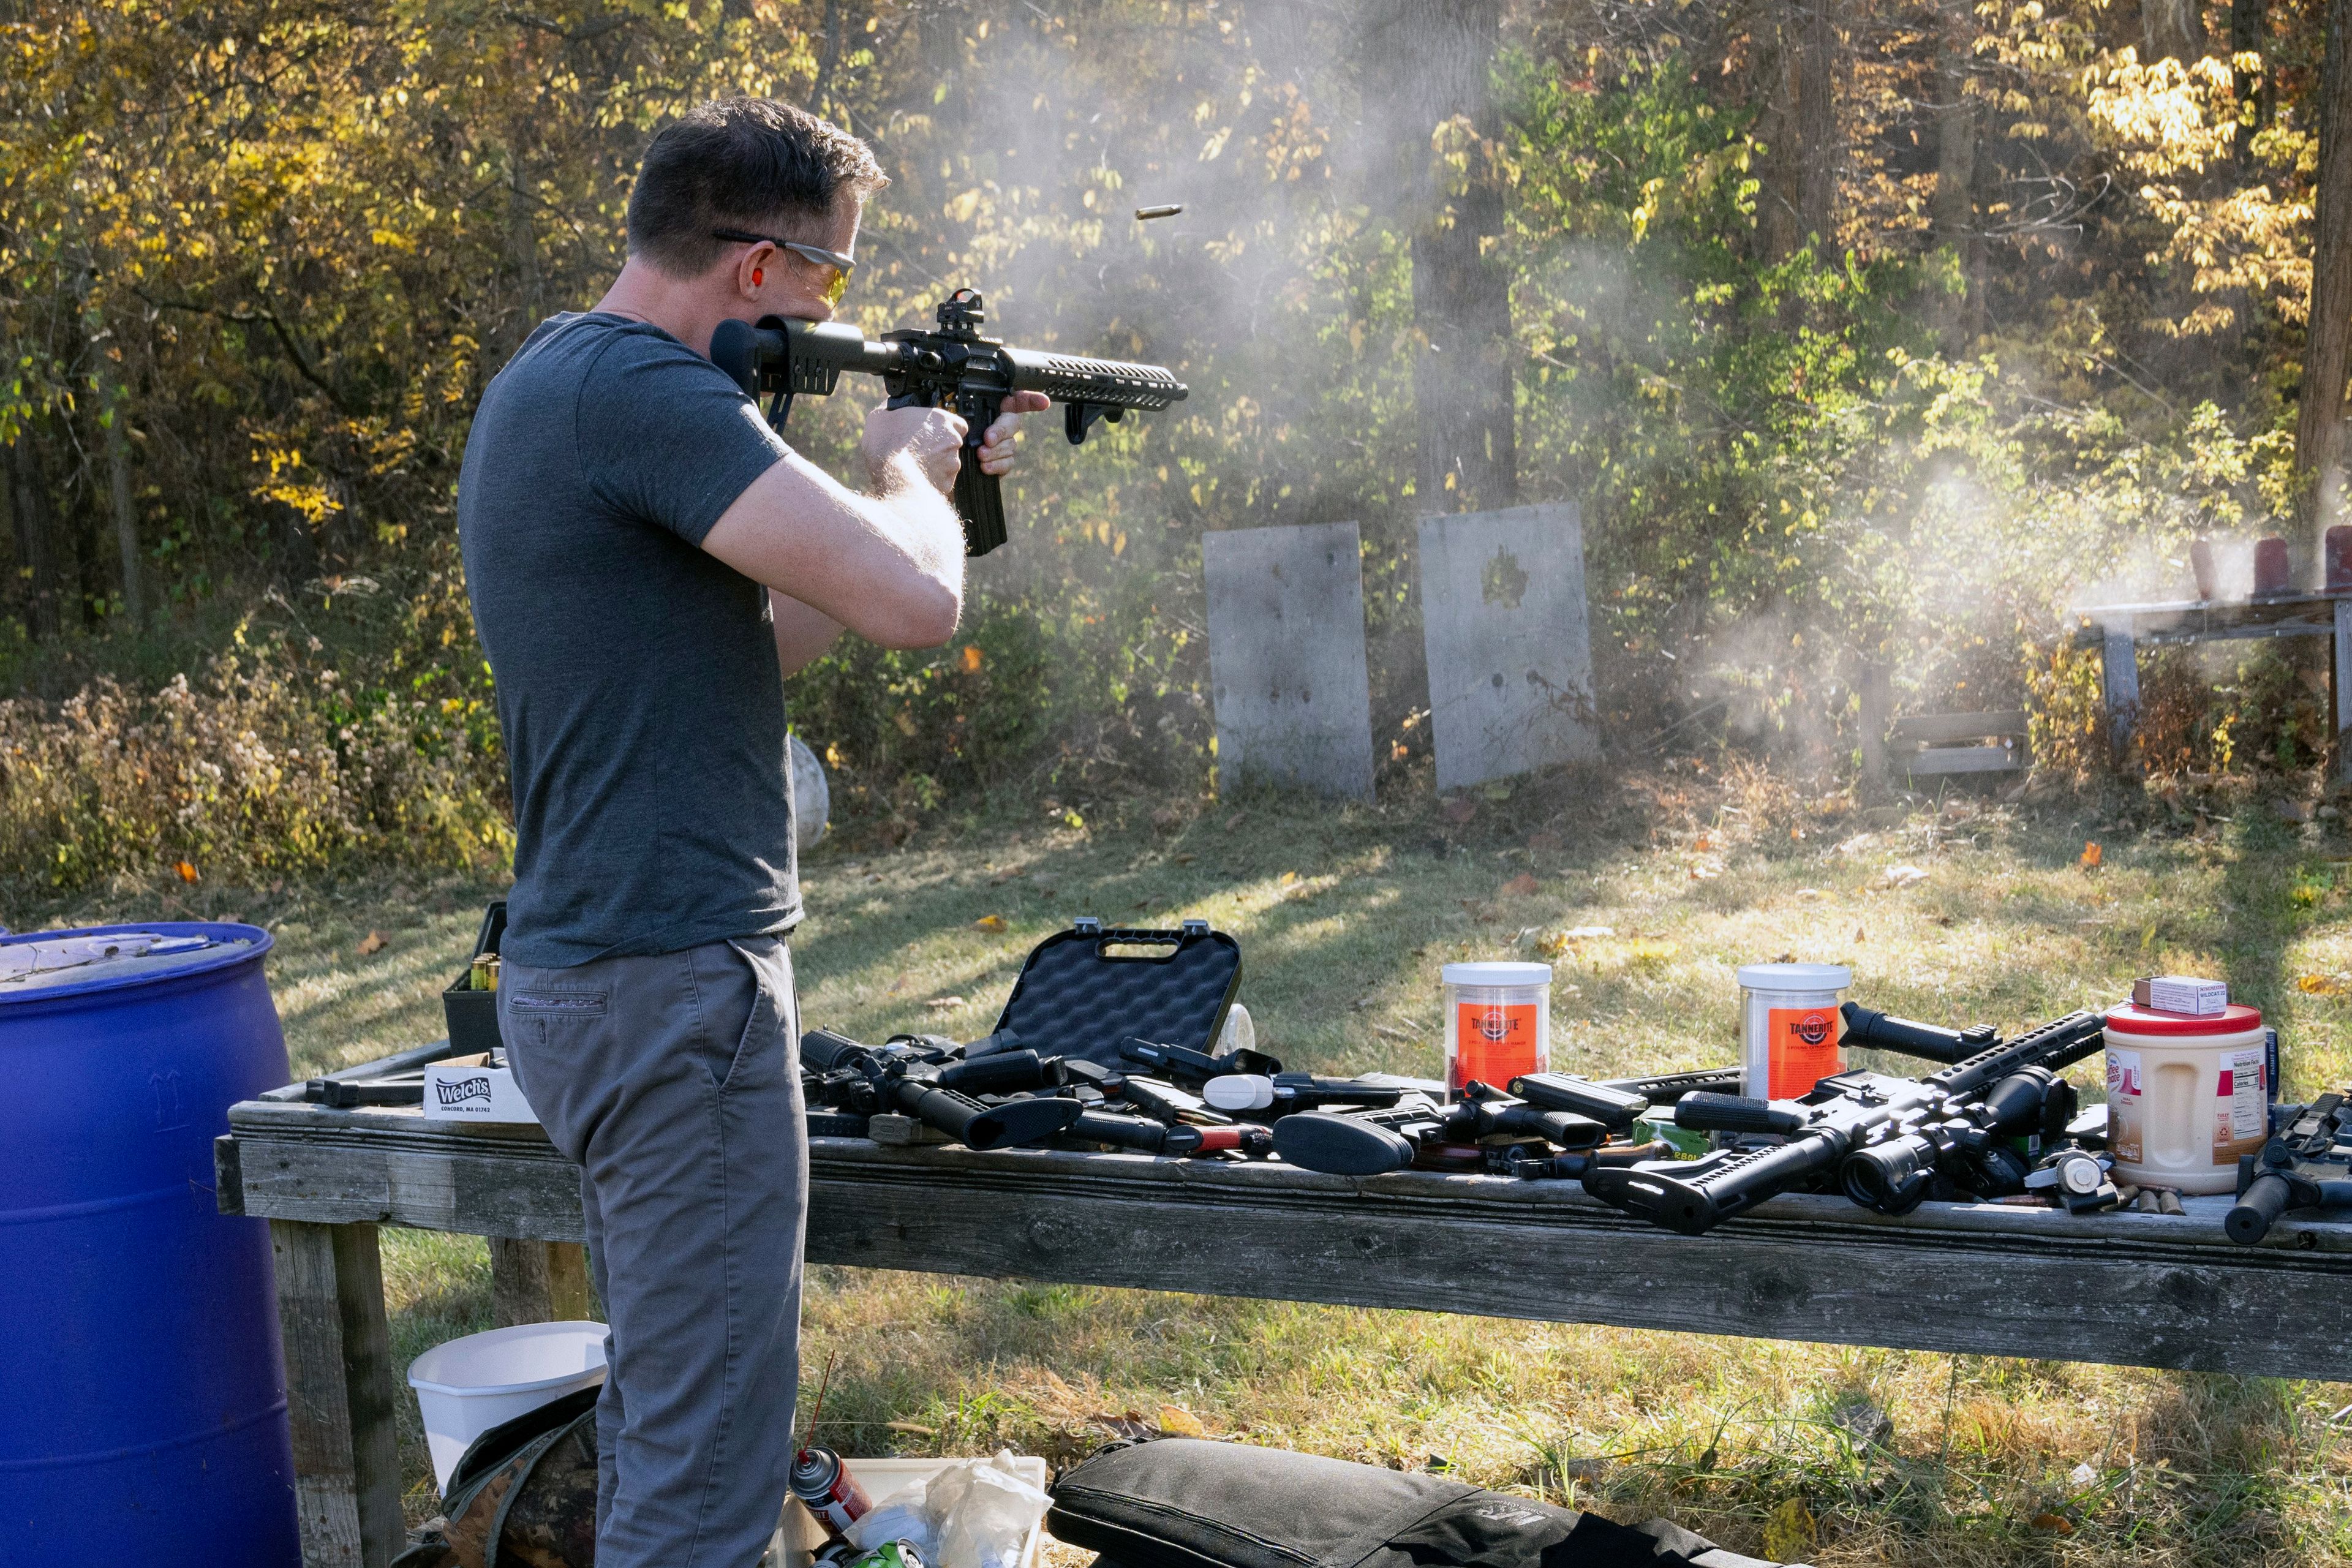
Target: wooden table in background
{"points": [[2118, 631], [2124, 1289]]}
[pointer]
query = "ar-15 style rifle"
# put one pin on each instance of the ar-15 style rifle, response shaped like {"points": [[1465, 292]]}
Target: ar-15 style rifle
{"points": [[953, 367], [1367, 1142], [1887, 1139], [2308, 1166]]}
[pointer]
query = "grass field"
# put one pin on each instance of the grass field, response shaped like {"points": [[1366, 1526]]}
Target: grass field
{"points": [[1838, 1456]]}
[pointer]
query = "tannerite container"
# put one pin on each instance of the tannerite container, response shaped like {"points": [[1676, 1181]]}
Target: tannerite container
{"points": [[1789, 1026], [1497, 1022], [2186, 1095]]}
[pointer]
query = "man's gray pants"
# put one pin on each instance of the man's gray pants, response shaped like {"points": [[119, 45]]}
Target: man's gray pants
{"points": [[673, 1082]]}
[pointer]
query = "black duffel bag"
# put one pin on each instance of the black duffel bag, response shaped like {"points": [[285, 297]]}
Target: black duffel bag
{"points": [[1183, 1502]]}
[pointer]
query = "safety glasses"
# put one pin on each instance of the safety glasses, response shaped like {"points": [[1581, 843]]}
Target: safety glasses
{"points": [[836, 266]]}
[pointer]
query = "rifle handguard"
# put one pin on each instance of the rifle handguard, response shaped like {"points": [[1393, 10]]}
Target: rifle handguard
{"points": [[1706, 1113], [1911, 1038], [1613, 1107]]}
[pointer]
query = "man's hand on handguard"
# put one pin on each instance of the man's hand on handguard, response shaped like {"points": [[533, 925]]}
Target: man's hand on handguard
{"points": [[996, 441]]}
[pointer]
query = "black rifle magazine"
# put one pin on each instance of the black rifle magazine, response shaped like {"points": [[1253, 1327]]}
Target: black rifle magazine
{"points": [[1083, 990], [1186, 1503]]}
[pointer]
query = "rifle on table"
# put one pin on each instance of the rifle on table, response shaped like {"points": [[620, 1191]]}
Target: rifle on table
{"points": [[1888, 1140], [953, 367], [2308, 1166]]}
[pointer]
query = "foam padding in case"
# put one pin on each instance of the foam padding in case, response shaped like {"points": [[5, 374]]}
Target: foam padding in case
{"points": [[1077, 998]]}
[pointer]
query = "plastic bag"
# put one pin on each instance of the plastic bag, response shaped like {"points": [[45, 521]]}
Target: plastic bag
{"points": [[982, 1513], [901, 1516]]}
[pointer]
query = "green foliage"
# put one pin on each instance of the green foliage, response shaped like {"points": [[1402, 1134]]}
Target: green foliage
{"points": [[281, 250]]}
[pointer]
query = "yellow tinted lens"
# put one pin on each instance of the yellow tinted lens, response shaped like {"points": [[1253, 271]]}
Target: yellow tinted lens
{"points": [[836, 286]]}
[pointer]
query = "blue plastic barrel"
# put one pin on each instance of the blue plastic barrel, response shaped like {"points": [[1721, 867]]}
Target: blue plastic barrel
{"points": [[142, 1397]]}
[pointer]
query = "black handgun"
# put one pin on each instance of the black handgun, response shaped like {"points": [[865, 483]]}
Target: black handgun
{"points": [[953, 367], [905, 1078]]}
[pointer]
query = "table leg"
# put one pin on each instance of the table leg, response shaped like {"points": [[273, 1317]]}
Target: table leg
{"points": [[340, 1393], [2119, 667], [538, 1281]]}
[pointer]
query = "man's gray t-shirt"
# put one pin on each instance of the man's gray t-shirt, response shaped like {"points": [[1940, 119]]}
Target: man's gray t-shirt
{"points": [[636, 674]]}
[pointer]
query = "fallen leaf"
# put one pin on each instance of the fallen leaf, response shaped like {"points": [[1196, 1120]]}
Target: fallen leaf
{"points": [[1519, 887], [972, 659], [2056, 1523], [371, 943], [1235, 820], [944, 1004], [1859, 934], [1168, 816], [187, 872], [1810, 894], [1393, 1033], [1186, 859], [1704, 844], [2319, 984], [2091, 857], [989, 923], [1458, 810], [1289, 879], [1649, 952], [1904, 875], [2292, 810], [1790, 1532], [1179, 1421]]}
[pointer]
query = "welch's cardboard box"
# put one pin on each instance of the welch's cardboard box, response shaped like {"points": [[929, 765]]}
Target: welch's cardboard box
{"points": [[469, 1088]]}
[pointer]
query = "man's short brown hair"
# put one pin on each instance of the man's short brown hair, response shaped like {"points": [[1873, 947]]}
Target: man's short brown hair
{"points": [[750, 164]]}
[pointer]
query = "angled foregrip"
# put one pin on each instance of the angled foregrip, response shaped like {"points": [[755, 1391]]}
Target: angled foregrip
{"points": [[1905, 1035], [1733, 1113]]}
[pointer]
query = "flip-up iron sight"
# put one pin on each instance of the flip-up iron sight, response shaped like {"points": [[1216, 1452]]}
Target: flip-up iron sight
{"points": [[952, 367]]}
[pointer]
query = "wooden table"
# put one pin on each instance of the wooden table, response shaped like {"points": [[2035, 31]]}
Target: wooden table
{"points": [[2124, 1289], [2119, 630]]}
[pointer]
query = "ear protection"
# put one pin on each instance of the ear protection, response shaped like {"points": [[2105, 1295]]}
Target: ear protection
{"points": [[756, 275]]}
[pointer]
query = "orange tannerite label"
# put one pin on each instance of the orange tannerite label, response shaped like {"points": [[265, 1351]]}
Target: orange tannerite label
{"points": [[1493, 1043], [1804, 1049]]}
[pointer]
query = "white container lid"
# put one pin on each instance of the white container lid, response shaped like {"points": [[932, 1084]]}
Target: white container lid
{"points": [[1496, 974], [1795, 977]]}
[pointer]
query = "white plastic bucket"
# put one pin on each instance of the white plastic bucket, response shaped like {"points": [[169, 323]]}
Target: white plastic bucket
{"points": [[468, 1386], [1497, 1022], [1789, 1026]]}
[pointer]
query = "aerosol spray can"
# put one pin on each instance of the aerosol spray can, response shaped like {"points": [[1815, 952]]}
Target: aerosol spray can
{"points": [[827, 1490]]}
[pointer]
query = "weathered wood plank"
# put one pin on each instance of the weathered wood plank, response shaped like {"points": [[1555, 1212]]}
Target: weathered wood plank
{"points": [[2119, 667], [2123, 1288], [1933, 759], [1937, 728], [340, 1393]]}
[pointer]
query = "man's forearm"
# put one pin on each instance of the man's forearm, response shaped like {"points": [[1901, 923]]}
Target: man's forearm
{"points": [[802, 632]]}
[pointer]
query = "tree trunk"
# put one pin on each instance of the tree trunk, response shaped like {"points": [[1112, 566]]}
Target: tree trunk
{"points": [[36, 537], [522, 247], [1797, 59], [828, 58], [1953, 212], [2171, 30], [2319, 433], [117, 489], [1432, 67], [2249, 31]]}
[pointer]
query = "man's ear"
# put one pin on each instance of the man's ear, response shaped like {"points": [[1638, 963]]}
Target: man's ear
{"points": [[752, 268]]}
